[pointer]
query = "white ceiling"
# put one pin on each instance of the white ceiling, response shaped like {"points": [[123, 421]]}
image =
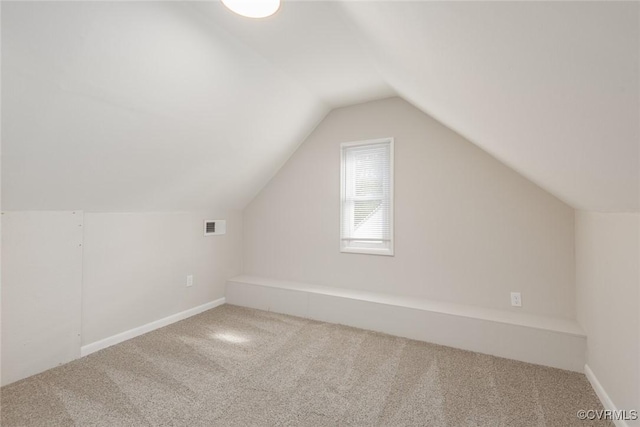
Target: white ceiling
{"points": [[180, 106], [313, 44], [549, 88], [139, 107]]}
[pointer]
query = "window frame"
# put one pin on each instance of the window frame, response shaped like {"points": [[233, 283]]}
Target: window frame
{"points": [[345, 248]]}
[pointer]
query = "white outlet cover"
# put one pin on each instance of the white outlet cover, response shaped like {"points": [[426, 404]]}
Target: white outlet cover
{"points": [[516, 299], [189, 280]]}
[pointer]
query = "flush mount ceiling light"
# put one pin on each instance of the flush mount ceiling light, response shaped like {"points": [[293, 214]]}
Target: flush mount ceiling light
{"points": [[253, 8]]}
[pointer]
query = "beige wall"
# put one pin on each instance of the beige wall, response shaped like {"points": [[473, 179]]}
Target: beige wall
{"points": [[135, 267], [468, 229], [608, 294], [70, 279], [41, 291]]}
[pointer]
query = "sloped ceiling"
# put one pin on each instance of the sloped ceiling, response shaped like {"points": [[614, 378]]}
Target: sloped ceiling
{"points": [[137, 106], [182, 106], [549, 88]]}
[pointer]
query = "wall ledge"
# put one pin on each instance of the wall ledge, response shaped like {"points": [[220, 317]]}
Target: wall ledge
{"points": [[549, 341], [547, 323]]}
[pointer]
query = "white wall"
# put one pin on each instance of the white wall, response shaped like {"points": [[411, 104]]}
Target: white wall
{"points": [[467, 228], [41, 291], [66, 284], [608, 296], [135, 267]]}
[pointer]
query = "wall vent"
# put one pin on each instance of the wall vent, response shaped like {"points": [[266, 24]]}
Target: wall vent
{"points": [[214, 227]]}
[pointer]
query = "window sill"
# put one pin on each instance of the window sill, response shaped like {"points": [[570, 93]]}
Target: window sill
{"points": [[367, 251]]}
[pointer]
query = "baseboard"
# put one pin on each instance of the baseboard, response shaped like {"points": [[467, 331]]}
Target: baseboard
{"points": [[602, 395], [559, 343], [140, 330]]}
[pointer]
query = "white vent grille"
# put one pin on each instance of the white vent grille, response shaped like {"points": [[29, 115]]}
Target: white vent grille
{"points": [[214, 227]]}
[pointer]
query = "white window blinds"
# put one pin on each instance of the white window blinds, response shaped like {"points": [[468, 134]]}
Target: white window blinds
{"points": [[367, 197]]}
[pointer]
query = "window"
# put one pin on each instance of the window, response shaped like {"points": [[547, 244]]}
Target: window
{"points": [[366, 190]]}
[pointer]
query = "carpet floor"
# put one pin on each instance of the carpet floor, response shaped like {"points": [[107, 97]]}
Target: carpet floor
{"points": [[233, 366]]}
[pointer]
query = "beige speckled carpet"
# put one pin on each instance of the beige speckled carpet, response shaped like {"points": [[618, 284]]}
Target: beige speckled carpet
{"points": [[232, 366]]}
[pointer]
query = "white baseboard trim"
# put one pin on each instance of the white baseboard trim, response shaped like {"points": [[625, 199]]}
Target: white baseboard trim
{"points": [[85, 350], [534, 339], [602, 395]]}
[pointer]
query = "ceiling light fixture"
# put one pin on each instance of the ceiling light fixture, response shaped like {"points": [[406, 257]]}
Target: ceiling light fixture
{"points": [[253, 8]]}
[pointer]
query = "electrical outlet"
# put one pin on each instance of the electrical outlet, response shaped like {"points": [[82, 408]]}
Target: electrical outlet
{"points": [[516, 299], [189, 280]]}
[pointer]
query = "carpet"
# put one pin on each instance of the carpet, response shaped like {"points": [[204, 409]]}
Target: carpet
{"points": [[233, 366]]}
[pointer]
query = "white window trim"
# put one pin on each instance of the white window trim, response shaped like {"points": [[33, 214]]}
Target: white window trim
{"points": [[368, 251]]}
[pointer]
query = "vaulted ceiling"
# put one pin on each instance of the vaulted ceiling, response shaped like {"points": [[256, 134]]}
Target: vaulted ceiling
{"points": [[128, 106]]}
